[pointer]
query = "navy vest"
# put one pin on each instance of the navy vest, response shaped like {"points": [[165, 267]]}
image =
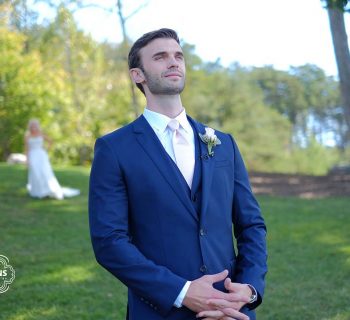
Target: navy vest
{"points": [[195, 193]]}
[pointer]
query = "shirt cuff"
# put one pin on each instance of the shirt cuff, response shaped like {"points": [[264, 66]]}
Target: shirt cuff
{"points": [[182, 294]]}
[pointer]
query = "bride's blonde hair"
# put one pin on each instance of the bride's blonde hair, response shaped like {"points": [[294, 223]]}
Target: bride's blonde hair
{"points": [[31, 122]]}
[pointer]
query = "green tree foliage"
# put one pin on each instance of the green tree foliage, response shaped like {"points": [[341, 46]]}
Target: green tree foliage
{"points": [[321, 94], [314, 159], [95, 96], [282, 91], [80, 89], [225, 99], [305, 96], [26, 91], [339, 4]]}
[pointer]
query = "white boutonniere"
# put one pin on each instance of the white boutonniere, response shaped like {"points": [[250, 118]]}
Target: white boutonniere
{"points": [[210, 139]]}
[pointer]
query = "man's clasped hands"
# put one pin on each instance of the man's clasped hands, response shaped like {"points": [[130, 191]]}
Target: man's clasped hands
{"points": [[212, 304]]}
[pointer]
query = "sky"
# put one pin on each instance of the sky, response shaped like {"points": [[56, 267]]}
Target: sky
{"points": [[252, 33]]}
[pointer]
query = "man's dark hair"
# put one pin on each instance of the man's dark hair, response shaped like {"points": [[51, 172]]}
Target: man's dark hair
{"points": [[134, 60]]}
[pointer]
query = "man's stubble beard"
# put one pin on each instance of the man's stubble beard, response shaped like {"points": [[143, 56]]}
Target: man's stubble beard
{"points": [[157, 86]]}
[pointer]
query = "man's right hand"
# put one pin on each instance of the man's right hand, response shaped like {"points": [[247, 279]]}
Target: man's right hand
{"points": [[201, 291]]}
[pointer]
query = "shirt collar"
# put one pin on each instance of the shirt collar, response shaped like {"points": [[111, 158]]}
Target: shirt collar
{"points": [[183, 121], [159, 122]]}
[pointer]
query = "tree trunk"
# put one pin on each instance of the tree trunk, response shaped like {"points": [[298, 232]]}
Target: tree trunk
{"points": [[342, 56], [122, 20]]}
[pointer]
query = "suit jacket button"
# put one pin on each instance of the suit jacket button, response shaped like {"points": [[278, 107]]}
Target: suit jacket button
{"points": [[194, 198], [203, 268], [202, 232]]}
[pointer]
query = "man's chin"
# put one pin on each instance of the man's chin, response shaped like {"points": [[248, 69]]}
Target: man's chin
{"points": [[168, 91]]}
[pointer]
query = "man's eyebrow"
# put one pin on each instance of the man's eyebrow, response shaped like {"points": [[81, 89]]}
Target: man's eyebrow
{"points": [[162, 53]]}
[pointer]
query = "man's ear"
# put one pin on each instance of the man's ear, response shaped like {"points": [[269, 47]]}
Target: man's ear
{"points": [[137, 75]]}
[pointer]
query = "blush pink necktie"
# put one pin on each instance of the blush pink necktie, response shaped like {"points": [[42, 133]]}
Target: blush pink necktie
{"points": [[184, 155]]}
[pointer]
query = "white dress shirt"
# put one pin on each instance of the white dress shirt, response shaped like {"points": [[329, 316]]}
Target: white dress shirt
{"points": [[159, 123]]}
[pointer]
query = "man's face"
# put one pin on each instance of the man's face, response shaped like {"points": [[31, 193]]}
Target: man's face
{"points": [[163, 67]]}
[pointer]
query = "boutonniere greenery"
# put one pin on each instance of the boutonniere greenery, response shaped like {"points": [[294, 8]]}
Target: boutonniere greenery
{"points": [[210, 139]]}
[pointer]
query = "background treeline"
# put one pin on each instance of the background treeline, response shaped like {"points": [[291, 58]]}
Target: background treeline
{"points": [[80, 89]]}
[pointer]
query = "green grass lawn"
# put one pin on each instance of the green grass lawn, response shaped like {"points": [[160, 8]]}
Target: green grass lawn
{"points": [[57, 277]]}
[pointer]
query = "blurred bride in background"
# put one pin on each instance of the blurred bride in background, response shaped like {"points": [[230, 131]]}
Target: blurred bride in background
{"points": [[41, 179]]}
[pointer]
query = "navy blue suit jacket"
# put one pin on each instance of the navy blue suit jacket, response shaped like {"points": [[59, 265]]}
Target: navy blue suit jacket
{"points": [[147, 233]]}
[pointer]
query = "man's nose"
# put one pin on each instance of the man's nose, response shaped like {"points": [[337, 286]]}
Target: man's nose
{"points": [[172, 62]]}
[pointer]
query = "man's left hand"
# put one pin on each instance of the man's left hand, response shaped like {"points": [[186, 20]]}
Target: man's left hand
{"points": [[223, 309]]}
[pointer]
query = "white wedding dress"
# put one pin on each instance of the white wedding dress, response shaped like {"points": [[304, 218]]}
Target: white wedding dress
{"points": [[41, 179]]}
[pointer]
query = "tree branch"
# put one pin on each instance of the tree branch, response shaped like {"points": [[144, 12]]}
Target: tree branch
{"points": [[137, 10]]}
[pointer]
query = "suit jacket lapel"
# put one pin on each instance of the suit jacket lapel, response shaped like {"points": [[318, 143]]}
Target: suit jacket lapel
{"points": [[207, 167], [154, 149]]}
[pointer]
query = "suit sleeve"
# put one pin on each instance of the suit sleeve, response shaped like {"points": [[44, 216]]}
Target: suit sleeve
{"points": [[249, 230], [108, 218]]}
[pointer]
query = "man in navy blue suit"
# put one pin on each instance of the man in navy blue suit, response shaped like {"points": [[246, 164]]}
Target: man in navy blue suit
{"points": [[168, 199]]}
